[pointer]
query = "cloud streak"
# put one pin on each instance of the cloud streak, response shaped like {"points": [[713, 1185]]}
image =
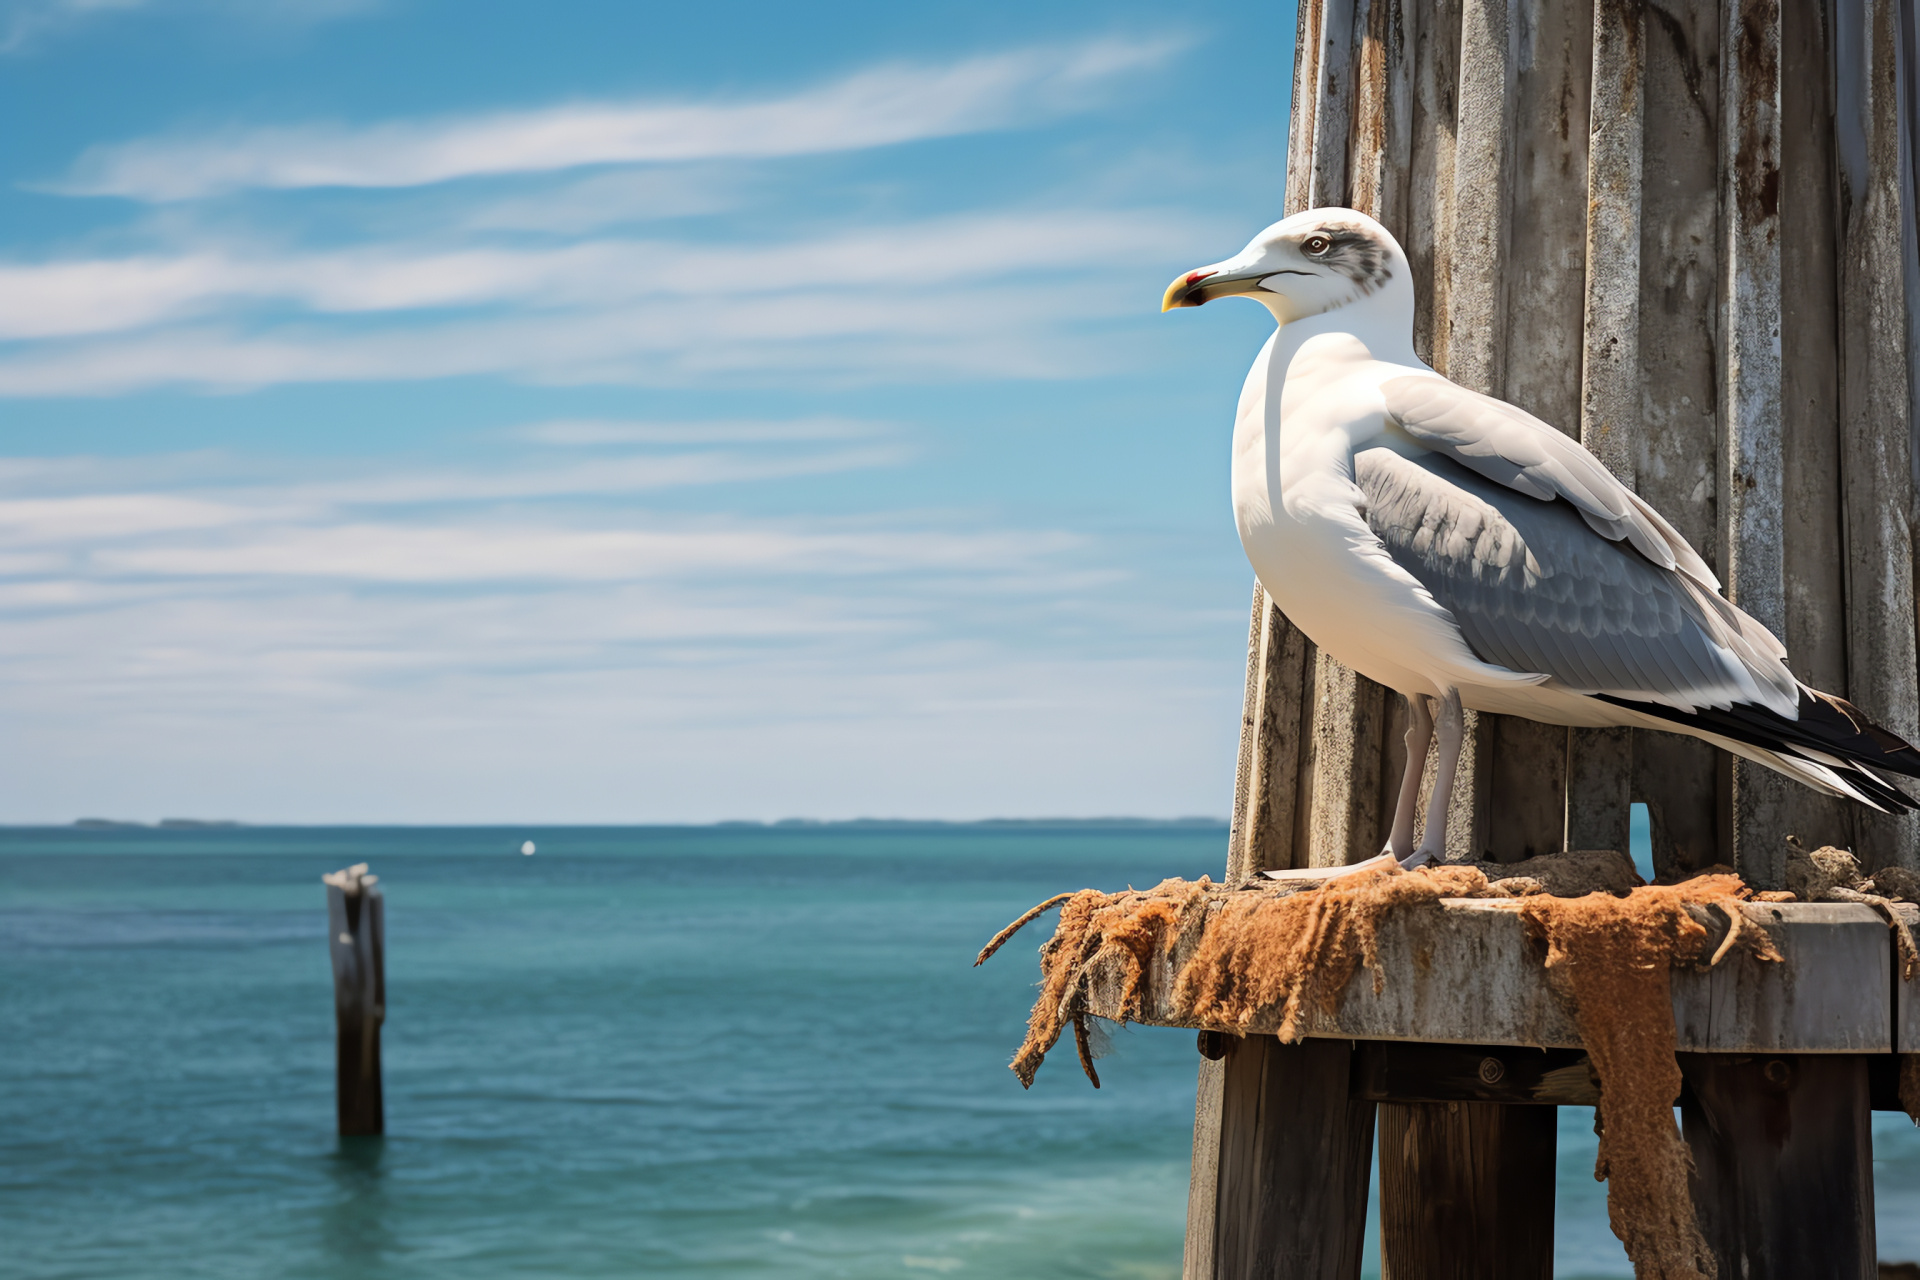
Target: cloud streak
{"points": [[879, 107], [997, 294]]}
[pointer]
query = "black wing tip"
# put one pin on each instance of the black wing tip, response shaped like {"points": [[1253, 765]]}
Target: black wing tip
{"points": [[1828, 726]]}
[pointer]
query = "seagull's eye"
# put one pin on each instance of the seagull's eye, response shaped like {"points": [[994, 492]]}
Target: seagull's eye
{"points": [[1317, 245]]}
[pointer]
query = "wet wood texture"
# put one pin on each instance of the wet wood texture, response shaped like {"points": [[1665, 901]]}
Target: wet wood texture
{"points": [[1471, 1186], [1783, 1163], [1288, 1181]]}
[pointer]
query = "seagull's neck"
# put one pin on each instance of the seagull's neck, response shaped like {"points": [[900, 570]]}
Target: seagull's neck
{"points": [[1382, 324]]}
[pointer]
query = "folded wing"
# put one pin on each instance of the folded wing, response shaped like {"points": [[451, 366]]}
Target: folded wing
{"points": [[1537, 587]]}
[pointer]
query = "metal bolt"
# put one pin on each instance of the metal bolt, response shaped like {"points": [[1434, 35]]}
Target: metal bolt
{"points": [[1777, 1072], [1492, 1070]]}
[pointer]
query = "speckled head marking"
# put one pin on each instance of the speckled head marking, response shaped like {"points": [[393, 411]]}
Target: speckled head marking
{"points": [[1352, 250]]}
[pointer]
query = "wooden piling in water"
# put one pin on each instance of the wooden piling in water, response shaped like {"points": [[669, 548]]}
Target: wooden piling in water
{"points": [[356, 922]]}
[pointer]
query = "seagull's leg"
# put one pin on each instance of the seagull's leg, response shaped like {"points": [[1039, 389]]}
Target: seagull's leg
{"points": [[1452, 730], [1419, 738]]}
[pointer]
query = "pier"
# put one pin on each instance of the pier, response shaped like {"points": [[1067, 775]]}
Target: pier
{"points": [[1683, 232]]}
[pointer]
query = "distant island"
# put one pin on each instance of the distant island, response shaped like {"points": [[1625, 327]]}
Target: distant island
{"points": [[165, 824]]}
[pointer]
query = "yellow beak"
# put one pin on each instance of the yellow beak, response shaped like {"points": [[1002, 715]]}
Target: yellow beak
{"points": [[1197, 288]]}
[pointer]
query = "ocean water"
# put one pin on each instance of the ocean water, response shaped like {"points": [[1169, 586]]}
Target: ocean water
{"points": [[713, 1052]]}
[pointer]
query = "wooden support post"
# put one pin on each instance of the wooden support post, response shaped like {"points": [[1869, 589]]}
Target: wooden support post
{"points": [[1466, 1191], [1783, 1163], [356, 922], [1281, 1164]]}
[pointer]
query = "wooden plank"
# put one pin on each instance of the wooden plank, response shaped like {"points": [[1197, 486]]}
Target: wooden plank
{"points": [[1814, 567], [1429, 230], [1832, 994], [1600, 761], [1291, 1198], [1468, 974], [1876, 442], [1332, 104], [1678, 440], [1526, 782], [1306, 71], [1753, 481], [1349, 723], [1279, 792], [1237, 832], [1906, 992], [1382, 111], [1466, 1191], [1203, 1186], [1475, 315], [1783, 1163], [1397, 1071]]}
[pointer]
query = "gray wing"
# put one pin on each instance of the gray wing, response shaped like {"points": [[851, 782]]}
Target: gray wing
{"points": [[1535, 589], [1513, 448]]}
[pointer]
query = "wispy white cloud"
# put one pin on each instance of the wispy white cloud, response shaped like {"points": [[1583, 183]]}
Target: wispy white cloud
{"points": [[26, 24], [322, 626], [998, 294], [877, 107], [75, 297], [603, 431]]}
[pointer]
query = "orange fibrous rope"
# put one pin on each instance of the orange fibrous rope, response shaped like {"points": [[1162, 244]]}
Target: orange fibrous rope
{"points": [[1277, 955]]}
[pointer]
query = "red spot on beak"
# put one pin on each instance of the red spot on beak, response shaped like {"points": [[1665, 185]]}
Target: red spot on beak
{"points": [[1195, 277]]}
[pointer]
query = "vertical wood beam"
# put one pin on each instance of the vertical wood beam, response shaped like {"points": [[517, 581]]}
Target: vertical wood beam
{"points": [[1812, 521], [1783, 1163], [1678, 441], [1752, 485], [1349, 729], [1278, 791], [1382, 110], [1237, 824], [1203, 1184], [1541, 311], [1475, 323], [1876, 460], [1294, 1151], [1600, 761], [1471, 1185], [1428, 235]]}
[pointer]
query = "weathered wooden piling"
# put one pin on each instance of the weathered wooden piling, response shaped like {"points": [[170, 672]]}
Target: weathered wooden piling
{"points": [[356, 920], [1683, 231]]}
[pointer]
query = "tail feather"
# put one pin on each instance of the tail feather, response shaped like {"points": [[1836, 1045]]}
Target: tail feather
{"points": [[1831, 745]]}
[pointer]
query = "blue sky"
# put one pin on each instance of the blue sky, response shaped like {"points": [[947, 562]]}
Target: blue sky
{"points": [[421, 411]]}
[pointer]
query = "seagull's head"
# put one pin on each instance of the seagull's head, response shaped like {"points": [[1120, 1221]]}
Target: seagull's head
{"points": [[1309, 264]]}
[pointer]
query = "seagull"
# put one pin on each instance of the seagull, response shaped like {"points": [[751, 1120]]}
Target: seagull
{"points": [[1466, 554]]}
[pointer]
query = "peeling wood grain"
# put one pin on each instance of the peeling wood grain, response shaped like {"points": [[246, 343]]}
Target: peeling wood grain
{"points": [[1332, 104], [1811, 520], [1752, 481], [1349, 721], [1475, 319], [1237, 829], [1428, 239], [1874, 397], [1275, 794], [1382, 110], [1203, 1186], [1678, 440]]}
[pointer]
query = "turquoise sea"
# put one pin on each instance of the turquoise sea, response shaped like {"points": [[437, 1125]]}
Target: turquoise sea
{"points": [[674, 1052]]}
